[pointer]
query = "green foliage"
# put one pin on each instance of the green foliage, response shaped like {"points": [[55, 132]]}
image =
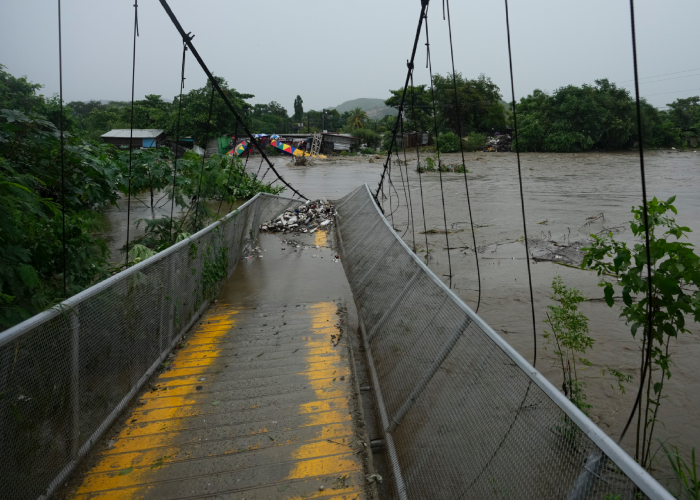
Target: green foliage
{"points": [[269, 118], [357, 120], [298, 109], [600, 116], [367, 136], [686, 474], [448, 142], [569, 332], [479, 103], [33, 192], [675, 266], [474, 142], [430, 165]]}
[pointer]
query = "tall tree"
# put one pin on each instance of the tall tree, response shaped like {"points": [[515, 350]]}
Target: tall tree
{"points": [[298, 109], [357, 119]]}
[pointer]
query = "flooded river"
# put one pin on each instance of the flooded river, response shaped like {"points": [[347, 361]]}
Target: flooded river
{"points": [[562, 193]]}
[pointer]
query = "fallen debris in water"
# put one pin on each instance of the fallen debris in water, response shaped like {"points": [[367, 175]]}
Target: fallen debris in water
{"points": [[306, 218]]}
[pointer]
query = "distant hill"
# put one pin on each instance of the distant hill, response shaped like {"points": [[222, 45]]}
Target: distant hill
{"points": [[375, 108]]}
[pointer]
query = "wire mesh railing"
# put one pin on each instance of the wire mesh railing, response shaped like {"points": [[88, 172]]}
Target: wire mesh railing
{"points": [[66, 373], [463, 414]]}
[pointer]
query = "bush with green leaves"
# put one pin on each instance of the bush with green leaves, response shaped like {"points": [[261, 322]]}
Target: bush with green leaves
{"points": [[674, 298], [448, 142], [569, 333], [474, 142]]}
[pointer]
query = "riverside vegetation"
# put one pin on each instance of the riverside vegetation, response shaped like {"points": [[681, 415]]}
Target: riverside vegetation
{"points": [[675, 297], [599, 116], [96, 175]]}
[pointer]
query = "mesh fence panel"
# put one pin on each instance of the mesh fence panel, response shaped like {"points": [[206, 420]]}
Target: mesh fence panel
{"points": [[466, 416], [66, 373]]}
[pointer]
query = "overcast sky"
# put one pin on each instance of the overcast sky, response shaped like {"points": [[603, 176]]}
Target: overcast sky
{"points": [[330, 51]]}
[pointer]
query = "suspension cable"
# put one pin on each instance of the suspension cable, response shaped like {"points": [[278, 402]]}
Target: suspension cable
{"points": [[650, 292], [408, 183], [420, 177], [461, 149], [409, 210], [201, 173], [63, 178], [131, 133], [177, 138], [520, 181], [424, 8], [429, 64], [391, 211]]}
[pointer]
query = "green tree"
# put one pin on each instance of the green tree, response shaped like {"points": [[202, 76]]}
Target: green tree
{"points": [[357, 120], [418, 109], [298, 109], [479, 103], [569, 332], [600, 116], [368, 136], [195, 112], [674, 267]]}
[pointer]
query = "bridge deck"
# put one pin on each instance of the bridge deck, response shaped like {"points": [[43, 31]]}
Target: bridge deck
{"points": [[257, 403]]}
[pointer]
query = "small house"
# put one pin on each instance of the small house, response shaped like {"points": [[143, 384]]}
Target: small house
{"points": [[338, 142], [142, 138]]}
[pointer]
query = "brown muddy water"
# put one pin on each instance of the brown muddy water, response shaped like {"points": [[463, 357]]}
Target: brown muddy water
{"points": [[562, 193]]}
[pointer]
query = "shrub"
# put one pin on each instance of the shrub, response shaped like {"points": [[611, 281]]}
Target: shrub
{"points": [[474, 142], [448, 142]]}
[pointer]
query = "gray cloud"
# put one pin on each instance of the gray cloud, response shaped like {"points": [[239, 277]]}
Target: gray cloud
{"points": [[329, 51]]}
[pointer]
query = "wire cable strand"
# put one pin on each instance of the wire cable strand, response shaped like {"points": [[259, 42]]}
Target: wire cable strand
{"points": [[201, 172], [420, 180], [437, 148], [215, 83], [177, 140], [230, 171], [408, 184], [461, 149], [131, 133], [63, 177], [520, 182], [406, 194], [650, 292], [233, 199], [409, 76]]}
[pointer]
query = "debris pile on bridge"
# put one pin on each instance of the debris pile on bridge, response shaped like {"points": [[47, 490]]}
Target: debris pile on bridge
{"points": [[312, 216]]}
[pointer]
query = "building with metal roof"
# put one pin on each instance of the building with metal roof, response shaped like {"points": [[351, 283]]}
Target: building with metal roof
{"points": [[142, 137]]}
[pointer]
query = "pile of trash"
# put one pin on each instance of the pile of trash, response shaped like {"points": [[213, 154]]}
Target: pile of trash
{"points": [[314, 215], [499, 143]]}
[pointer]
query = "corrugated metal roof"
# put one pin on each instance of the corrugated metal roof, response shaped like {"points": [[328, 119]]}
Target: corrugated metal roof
{"points": [[140, 133]]}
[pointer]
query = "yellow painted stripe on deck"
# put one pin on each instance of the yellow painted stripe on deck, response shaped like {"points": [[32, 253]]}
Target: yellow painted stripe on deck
{"points": [[163, 432]]}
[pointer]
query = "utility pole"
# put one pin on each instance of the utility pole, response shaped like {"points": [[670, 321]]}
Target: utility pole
{"points": [[323, 120], [308, 127]]}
